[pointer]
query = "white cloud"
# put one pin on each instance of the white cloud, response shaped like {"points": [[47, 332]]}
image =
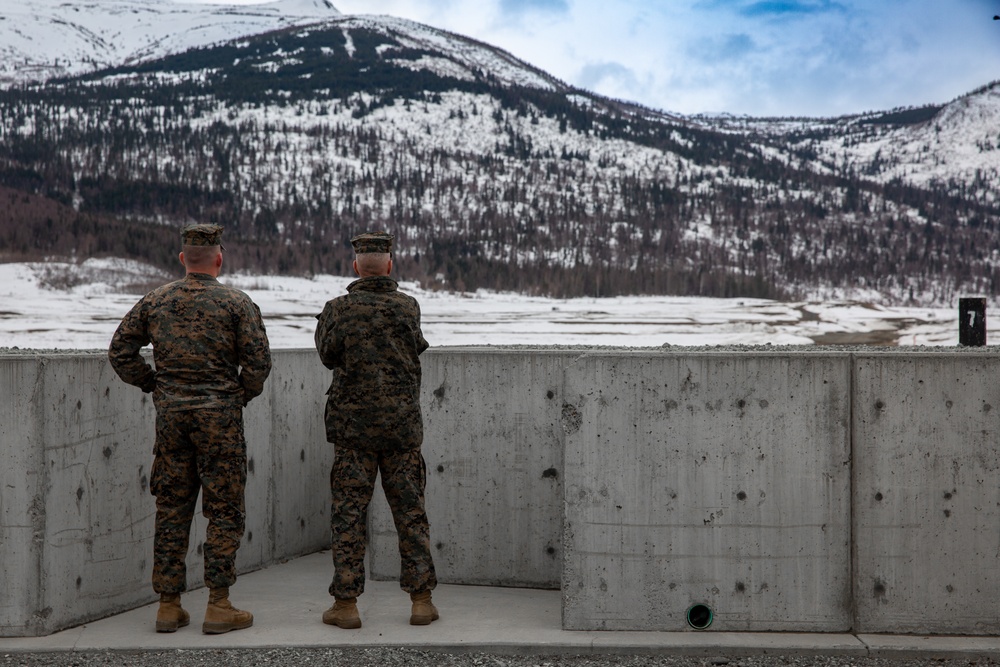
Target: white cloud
{"points": [[759, 57]]}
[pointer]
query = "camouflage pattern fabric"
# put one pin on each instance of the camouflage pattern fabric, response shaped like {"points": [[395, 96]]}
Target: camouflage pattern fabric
{"points": [[380, 242], [352, 481], [371, 339], [202, 234], [198, 449], [209, 345], [212, 357]]}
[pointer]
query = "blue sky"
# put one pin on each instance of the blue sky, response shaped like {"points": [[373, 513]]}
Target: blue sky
{"points": [[756, 57]]}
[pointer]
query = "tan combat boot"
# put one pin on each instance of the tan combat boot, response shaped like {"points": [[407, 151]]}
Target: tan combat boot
{"points": [[343, 614], [221, 616], [423, 611], [170, 615]]}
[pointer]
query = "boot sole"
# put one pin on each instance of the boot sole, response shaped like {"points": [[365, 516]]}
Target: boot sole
{"points": [[170, 626], [423, 620], [346, 625], [220, 628]]}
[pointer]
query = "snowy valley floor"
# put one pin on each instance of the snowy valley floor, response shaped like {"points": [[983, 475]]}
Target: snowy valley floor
{"points": [[66, 306]]}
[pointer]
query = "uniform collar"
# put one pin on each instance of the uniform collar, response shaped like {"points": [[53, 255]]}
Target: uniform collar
{"points": [[373, 284]]}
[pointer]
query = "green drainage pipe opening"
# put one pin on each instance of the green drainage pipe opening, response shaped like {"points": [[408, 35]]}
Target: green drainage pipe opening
{"points": [[700, 616]]}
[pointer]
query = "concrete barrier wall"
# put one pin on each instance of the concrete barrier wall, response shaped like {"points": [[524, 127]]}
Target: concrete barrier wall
{"points": [[494, 452], [94, 472], [76, 516], [789, 490], [22, 498], [297, 456], [927, 493], [712, 479]]}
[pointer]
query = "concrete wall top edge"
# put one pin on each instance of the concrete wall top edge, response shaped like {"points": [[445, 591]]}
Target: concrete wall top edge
{"points": [[676, 350], [730, 350], [33, 354], [27, 353]]}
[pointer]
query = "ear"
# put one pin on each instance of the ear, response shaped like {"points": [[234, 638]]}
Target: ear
{"points": [[388, 269], [218, 260], [181, 258], [356, 268]]}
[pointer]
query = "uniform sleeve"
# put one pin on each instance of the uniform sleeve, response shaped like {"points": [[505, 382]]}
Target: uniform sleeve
{"points": [[422, 343], [328, 344], [254, 352], [131, 336]]}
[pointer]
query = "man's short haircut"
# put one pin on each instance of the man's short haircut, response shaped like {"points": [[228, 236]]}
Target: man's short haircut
{"points": [[200, 255], [373, 263]]}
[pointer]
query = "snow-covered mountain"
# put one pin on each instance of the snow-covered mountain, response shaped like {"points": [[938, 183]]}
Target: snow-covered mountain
{"points": [[493, 173], [40, 39], [957, 142]]}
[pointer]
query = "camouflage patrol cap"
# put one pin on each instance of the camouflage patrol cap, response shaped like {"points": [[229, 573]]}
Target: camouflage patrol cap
{"points": [[372, 242], [202, 234]]}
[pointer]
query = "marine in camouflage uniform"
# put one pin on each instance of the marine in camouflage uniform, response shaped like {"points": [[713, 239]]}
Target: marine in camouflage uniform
{"points": [[371, 339], [211, 357]]}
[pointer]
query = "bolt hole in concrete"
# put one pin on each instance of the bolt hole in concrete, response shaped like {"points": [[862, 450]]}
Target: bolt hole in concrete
{"points": [[700, 616]]}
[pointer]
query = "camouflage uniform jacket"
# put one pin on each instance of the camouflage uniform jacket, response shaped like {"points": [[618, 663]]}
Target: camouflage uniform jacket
{"points": [[370, 338], [209, 345]]}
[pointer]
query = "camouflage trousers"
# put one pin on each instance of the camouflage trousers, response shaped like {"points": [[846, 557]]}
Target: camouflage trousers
{"points": [[196, 450], [352, 481]]}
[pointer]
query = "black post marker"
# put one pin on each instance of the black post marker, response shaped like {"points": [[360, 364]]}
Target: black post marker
{"points": [[972, 321]]}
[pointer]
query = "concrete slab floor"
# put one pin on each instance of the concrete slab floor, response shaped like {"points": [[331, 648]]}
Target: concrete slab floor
{"points": [[288, 601]]}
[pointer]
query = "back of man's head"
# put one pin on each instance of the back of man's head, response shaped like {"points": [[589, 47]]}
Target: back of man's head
{"points": [[200, 258], [373, 264], [201, 250]]}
